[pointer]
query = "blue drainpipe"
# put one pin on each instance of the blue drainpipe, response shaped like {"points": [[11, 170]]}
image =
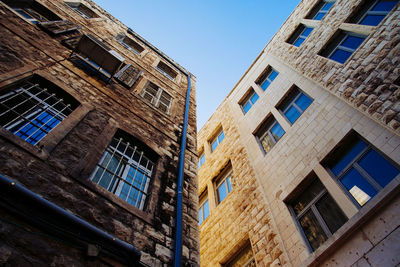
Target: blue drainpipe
{"points": [[179, 206]]}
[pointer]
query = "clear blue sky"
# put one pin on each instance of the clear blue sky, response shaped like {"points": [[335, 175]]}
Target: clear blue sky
{"points": [[216, 40]]}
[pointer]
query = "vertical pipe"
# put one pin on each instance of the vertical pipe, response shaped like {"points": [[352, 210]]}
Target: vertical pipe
{"points": [[179, 206]]}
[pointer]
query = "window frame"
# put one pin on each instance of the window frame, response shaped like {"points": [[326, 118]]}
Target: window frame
{"points": [[203, 200], [298, 34], [365, 9], [265, 76], [248, 99], [353, 138], [76, 7], [264, 130], [121, 39], [164, 68], [317, 9], [311, 206], [216, 138], [292, 103], [156, 99], [200, 163], [223, 180]]}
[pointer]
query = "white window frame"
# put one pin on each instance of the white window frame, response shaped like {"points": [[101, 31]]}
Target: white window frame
{"points": [[156, 100]]}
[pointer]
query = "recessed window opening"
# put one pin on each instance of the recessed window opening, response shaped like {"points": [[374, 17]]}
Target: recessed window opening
{"points": [[83, 10], [166, 70], [131, 45], [202, 159], [157, 97], [217, 140], [372, 12], [204, 207], [266, 78], [299, 35], [248, 101], [223, 184], [269, 133], [294, 104], [32, 11], [320, 10]]}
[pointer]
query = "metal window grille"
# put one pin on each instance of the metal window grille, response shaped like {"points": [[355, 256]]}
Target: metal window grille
{"points": [[125, 171], [31, 112]]}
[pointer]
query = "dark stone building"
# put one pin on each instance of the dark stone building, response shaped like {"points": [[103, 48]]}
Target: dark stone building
{"points": [[92, 118]]}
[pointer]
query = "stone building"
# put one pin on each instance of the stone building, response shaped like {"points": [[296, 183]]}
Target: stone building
{"points": [[92, 119], [299, 165]]}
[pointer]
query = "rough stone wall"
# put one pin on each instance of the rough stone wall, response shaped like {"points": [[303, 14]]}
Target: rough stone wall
{"points": [[243, 215], [60, 174], [367, 79]]}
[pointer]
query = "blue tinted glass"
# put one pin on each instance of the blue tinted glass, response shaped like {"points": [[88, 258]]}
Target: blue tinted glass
{"points": [[273, 75], [246, 107], [23, 13], [222, 192], [221, 137], [265, 85], [200, 216], [355, 183], [319, 15], [292, 114], [346, 159], [202, 159], [206, 209], [378, 167], [254, 98], [214, 145], [384, 6], [303, 102], [327, 6], [340, 56], [372, 20], [298, 42], [277, 131], [353, 42], [228, 182], [307, 31]]}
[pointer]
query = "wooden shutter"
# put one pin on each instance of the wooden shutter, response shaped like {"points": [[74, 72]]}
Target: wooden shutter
{"points": [[59, 26], [128, 75], [71, 42]]}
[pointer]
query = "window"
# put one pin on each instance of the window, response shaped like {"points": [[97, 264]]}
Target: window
{"points": [[33, 108], [223, 185], [125, 169], [317, 213], [130, 44], [249, 100], [294, 104], [157, 97], [166, 70], [269, 133], [217, 140], [32, 10], [299, 35], [360, 169], [202, 159], [266, 78], [204, 209], [372, 12], [244, 258], [83, 10], [319, 11], [128, 75], [342, 46]]}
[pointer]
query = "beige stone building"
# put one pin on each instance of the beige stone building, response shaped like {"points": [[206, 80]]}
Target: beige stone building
{"points": [[299, 165]]}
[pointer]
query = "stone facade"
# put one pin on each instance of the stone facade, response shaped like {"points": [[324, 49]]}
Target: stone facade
{"points": [[358, 97], [58, 167]]}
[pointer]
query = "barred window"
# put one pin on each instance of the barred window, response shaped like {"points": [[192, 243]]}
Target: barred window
{"points": [[125, 170], [32, 109]]}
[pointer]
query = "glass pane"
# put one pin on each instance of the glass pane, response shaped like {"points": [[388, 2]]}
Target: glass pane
{"points": [[319, 15], [353, 42], [303, 101], [221, 137], [206, 209], [277, 131], [200, 216], [273, 75], [327, 6], [246, 107], [312, 229], [372, 20], [254, 98], [265, 85], [267, 143], [228, 182], [222, 193], [307, 196], [378, 167], [298, 42], [340, 56], [331, 213], [292, 114], [384, 6], [358, 187], [202, 159], [214, 144], [307, 31], [353, 152]]}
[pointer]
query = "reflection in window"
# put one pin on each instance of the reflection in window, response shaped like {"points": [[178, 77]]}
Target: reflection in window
{"points": [[202, 159], [294, 104], [269, 133], [317, 213], [320, 10], [372, 12], [267, 78], [204, 209], [299, 35], [223, 187], [361, 169], [125, 171], [217, 140], [249, 101]]}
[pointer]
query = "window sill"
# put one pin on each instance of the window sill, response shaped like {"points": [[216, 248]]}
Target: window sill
{"points": [[354, 223], [357, 28]]}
